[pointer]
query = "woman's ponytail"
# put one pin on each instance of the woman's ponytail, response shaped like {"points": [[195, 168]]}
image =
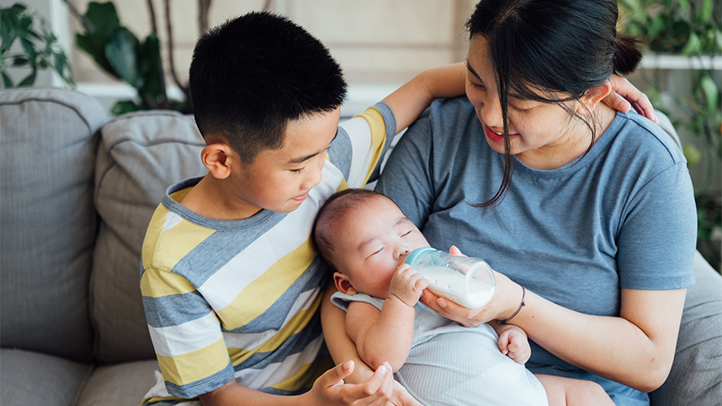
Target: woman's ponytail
{"points": [[626, 54]]}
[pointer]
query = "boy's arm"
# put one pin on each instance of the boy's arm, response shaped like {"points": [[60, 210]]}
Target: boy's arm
{"points": [[328, 389], [381, 336], [411, 99]]}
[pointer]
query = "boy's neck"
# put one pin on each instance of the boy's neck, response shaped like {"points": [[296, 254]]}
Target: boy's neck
{"points": [[208, 199]]}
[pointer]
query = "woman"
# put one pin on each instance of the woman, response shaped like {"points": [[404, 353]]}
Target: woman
{"points": [[587, 214]]}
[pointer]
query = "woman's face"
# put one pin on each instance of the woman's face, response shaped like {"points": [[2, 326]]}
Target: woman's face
{"points": [[542, 135]]}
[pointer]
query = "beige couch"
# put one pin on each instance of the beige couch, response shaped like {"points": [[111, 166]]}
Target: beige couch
{"points": [[77, 193]]}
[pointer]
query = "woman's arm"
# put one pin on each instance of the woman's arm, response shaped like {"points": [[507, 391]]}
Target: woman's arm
{"points": [[635, 349]]}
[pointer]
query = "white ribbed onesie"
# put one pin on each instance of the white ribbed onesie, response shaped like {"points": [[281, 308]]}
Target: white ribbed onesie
{"points": [[454, 365]]}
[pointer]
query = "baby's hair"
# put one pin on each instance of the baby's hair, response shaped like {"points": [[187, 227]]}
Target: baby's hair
{"points": [[334, 209], [253, 74]]}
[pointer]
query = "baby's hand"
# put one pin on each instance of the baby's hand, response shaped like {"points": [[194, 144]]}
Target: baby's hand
{"points": [[407, 285], [513, 342]]}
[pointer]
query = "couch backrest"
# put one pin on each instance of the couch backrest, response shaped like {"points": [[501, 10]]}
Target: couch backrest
{"points": [[140, 155], [47, 220]]}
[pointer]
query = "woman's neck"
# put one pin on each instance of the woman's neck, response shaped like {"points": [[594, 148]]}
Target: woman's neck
{"points": [[576, 141]]}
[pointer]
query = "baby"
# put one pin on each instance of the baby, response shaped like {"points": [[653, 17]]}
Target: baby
{"points": [[366, 237]]}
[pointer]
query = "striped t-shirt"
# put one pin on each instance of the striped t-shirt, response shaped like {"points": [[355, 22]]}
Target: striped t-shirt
{"points": [[240, 299]]}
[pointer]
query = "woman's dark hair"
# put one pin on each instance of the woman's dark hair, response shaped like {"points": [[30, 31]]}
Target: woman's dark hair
{"points": [[252, 74], [557, 46]]}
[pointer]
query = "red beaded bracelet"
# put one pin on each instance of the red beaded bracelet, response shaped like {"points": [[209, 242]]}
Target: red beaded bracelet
{"points": [[522, 304]]}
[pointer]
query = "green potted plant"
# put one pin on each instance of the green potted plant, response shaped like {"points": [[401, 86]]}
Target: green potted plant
{"points": [[39, 48], [137, 62]]}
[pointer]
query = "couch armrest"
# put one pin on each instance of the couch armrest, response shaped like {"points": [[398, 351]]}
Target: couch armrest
{"points": [[696, 376]]}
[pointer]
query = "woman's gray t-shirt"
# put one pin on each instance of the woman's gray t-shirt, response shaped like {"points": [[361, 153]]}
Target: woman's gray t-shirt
{"points": [[621, 216]]}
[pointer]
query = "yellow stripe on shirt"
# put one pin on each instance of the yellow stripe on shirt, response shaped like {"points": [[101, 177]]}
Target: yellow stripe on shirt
{"points": [[294, 326], [263, 292], [194, 365], [378, 136], [171, 246], [342, 186]]}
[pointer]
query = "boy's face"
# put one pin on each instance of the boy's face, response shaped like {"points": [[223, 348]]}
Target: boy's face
{"points": [[372, 242], [280, 179]]}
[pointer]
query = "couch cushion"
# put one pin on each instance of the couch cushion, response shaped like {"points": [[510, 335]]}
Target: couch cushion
{"points": [[48, 223], [696, 377], [118, 385], [140, 155], [30, 378]]}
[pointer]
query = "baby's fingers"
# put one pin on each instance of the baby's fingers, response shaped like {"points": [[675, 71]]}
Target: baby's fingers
{"points": [[421, 283], [514, 344], [504, 343]]}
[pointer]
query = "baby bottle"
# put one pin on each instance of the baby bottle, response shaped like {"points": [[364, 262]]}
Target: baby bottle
{"points": [[467, 281]]}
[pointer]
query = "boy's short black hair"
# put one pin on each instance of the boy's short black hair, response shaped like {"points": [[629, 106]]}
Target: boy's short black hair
{"points": [[252, 74]]}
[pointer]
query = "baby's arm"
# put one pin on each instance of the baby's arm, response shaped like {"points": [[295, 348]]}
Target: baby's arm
{"points": [[386, 335], [513, 342], [411, 99]]}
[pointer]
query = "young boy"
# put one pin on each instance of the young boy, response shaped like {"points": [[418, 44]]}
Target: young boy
{"points": [[230, 281], [365, 237]]}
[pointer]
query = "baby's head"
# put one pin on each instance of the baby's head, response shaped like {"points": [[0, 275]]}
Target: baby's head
{"points": [[365, 237]]}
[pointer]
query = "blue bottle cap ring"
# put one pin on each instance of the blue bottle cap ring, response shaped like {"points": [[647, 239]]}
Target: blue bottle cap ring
{"points": [[415, 253]]}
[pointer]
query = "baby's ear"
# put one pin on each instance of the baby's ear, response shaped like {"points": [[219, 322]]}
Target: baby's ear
{"points": [[343, 283]]}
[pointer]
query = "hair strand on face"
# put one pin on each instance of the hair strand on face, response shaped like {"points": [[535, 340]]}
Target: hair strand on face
{"points": [[542, 48]]}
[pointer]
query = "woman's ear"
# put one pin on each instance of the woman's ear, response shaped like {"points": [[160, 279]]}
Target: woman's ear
{"points": [[343, 283], [593, 97], [216, 158]]}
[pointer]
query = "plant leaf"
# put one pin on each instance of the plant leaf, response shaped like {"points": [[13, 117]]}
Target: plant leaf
{"points": [[20, 61], [705, 12], [121, 53], [103, 18], [95, 48], [693, 45], [18, 8], [29, 49], [710, 92], [29, 80], [58, 60], [150, 65], [7, 33], [7, 82], [23, 27], [124, 106]]}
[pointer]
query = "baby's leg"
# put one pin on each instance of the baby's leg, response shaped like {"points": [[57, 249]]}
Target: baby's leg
{"points": [[573, 392]]}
